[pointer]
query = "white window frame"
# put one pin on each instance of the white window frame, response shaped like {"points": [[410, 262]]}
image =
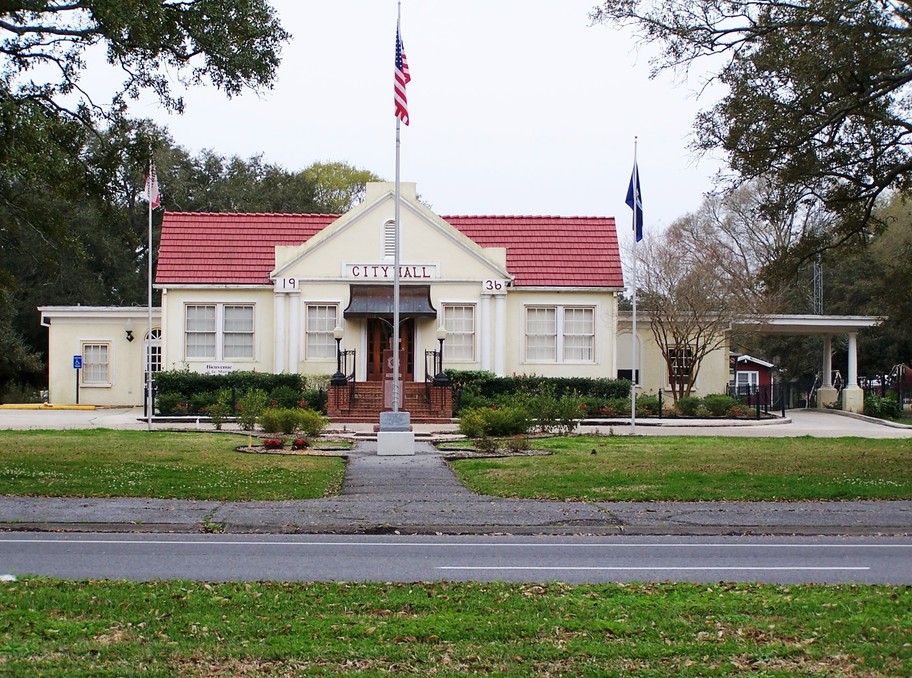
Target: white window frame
{"points": [[309, 348], [86, 377], [220, 332], [751, 378], [560, 348], [668, 375], [455, 333]]}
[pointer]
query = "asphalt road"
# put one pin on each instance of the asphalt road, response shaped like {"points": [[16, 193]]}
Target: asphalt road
{"points": [[479, 558]]}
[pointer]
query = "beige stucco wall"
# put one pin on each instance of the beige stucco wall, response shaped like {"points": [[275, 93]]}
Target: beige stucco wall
{"points": [[173, 351], [70, 328], [713, 375]]}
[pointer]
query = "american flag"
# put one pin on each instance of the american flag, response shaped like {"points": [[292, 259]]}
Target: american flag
{"points": [[150, 193], [401, 80]]}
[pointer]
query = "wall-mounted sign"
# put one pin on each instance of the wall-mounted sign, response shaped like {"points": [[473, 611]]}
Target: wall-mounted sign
{"points": [[218, 368], [287, 285], [387, 271], [493, 286]]}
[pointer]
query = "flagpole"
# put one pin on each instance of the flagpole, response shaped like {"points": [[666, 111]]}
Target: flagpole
{"points": [[636, 198], [396, 337], [148, 342]]}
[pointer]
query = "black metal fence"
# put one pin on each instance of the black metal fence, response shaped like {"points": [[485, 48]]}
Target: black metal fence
{"points": [[773, 398]]}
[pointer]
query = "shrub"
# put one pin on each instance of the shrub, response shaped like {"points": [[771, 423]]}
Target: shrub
{"points": [[285, 397], [273, 443], [220, 409], [249, 408], [201, 402], [315, 399], [719, 404], [647, 405], [300, 444], [885, 407], [517, 444], [270, 421], [506, 420], [473, 423], [311, 423], [688, 405], [170, 403], [486, 444]]}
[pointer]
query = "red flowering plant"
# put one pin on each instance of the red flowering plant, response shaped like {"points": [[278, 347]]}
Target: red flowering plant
{"points": [[273, 443], [300, 444]]}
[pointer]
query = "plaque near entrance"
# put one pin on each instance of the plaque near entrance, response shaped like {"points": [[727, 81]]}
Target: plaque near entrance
{"points": [[395, 436], [388, 395]]}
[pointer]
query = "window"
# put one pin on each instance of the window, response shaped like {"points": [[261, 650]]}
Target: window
{"points": [[560, 334], [541, 334], [579, 335], [237, 332], [219, 331], [200, 331], [321, 321], [154, 350], [96, 364], [389, 239], [459, 321], [680, 364]]}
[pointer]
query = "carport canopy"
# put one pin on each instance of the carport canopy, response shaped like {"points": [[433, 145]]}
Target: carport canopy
{"points": [[825, 326]]}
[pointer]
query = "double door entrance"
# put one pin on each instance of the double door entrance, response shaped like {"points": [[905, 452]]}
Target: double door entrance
{"points": [[379, 342]]}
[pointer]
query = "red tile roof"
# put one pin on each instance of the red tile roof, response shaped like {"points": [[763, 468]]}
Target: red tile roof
{"points": [[202, 248]]}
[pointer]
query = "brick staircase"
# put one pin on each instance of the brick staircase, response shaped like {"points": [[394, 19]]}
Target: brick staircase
{"points": [[367, 403]]}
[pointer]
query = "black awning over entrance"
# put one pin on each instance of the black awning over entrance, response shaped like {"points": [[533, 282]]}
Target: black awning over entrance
{"points": [[371, 301]]}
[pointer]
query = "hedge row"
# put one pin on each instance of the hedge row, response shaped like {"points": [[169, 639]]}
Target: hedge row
{"points": [[486, 386], [189, 383], [180, 392]]}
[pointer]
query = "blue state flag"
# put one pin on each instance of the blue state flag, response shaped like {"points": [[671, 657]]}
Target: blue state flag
{"points": [[635, 202]]}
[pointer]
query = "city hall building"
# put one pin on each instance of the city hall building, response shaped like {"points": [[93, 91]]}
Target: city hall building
{"points": [[293, 292]]}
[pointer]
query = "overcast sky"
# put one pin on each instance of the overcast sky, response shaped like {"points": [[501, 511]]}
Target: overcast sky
{"points": [[517, 107]]}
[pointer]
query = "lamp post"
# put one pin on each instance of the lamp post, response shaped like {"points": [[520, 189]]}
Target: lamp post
{"points": [[441, 379], [338, 379]]}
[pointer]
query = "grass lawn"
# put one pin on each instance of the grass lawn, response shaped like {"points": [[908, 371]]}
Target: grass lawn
{"points": [[56, 628], [105, 463], [699, 468]]}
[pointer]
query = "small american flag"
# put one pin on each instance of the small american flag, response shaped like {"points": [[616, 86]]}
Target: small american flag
{"points": [[401, 80], [150, 192]]}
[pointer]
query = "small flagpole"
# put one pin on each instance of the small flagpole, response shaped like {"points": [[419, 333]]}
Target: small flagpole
{"points": [[635, 338], [148, 342]]}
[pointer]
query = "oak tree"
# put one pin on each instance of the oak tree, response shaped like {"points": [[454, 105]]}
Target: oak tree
{"points": [[818, 95]]}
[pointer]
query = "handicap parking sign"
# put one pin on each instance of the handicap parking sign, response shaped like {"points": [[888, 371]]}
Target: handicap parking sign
{"points": [[77, 362]]}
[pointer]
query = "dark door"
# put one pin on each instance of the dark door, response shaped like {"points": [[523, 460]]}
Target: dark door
{"points": [[379, 338]]}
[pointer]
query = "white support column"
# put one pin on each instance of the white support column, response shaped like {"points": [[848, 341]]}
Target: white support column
{"points": [[852, 395], [827, 377], [294, 331], [280, 330], [500, 335], [827, 395], [484, 332], [853, 360]]}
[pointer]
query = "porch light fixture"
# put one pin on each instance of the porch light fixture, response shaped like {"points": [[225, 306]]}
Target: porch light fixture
{"points": [[129, 329], [338, 379], [441, 379]]}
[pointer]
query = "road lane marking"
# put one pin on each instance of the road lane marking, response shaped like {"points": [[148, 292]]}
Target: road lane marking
{"points": [[646, 568]]}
